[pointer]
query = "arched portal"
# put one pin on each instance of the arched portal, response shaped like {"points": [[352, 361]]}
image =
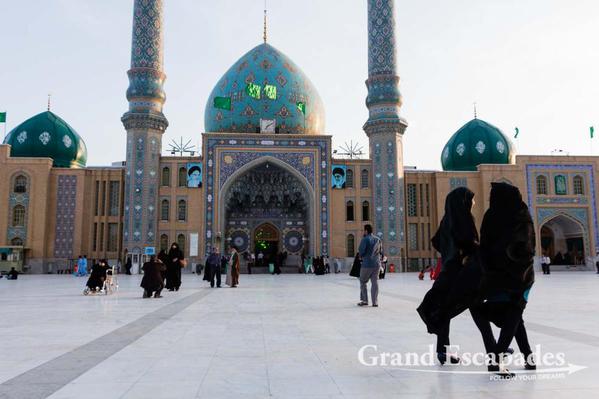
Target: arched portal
{"points": [[266, 243], [563, 240], [267, 206]]}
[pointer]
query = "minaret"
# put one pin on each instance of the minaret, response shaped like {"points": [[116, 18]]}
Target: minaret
{"points": [[385, 129], [145, 125]]}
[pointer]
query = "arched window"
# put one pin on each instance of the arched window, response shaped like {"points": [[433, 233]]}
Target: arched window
{"points": [[365, 210], [20, 184], [364, 178], [181, 242], [578, 185], [166, 177], [16, 241], [541, 185], [349, 179], [182, 177], [349, 211], [182, 210], [351, 246], [163, 242], [18, 216], [164, 210]]}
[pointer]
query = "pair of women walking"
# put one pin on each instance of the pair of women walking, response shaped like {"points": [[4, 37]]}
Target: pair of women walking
{"points": [[491, 276]]}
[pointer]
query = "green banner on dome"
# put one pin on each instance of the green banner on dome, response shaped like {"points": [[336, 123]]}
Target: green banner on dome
{"points": [[253, 90], [222, 103], [302, 107], [2, 117], [271, 91]]}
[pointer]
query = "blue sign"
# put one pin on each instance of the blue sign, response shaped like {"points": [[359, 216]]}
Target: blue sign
{"points": [[194, 174], [339, 172], [149, 251]]}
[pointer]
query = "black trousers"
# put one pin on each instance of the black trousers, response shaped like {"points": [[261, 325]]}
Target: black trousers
{"points": [[215, 275], [545, 267], [443, 338], [148, 293], [513, 327]]}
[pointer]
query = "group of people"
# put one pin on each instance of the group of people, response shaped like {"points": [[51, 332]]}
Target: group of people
{"points": [[163, 271], [318, 265], [81, 266], [490, 275], [12, 274], [216, 263], [96, 279]]}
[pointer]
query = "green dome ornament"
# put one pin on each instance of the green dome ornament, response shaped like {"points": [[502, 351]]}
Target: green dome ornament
{"points": [[475, 143], [46, 135]]}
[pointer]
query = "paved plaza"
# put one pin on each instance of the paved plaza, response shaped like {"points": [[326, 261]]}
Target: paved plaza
{"points": [[288, 336]]}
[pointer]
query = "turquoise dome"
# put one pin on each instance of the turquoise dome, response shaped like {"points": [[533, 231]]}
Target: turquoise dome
{"points": [[48, 136], [265, 65], [475, 143]]}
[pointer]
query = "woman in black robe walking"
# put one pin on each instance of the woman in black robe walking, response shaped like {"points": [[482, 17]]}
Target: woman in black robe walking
{"points": [[457, 241], [507, 250], [173, 268]]}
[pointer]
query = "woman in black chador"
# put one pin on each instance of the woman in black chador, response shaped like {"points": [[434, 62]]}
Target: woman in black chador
{"points": [[97, 275], [173, 268], [507, 250], [457, 241]]}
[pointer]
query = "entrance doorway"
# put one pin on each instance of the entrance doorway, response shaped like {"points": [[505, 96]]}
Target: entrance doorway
{"points": [[562, 240], [266, 243]]}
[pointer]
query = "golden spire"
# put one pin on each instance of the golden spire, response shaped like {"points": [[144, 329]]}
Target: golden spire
{"points": [[264, 35]]}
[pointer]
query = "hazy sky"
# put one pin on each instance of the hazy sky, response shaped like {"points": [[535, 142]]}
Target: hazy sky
{"points": [[527, 63]]}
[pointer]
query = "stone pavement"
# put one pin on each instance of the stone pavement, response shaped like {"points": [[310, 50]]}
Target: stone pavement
{"points": [[288, 336]]}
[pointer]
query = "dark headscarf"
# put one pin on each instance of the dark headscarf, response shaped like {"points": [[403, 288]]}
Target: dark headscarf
{"points": [[457, 236], [507, 241], [175, 252]]}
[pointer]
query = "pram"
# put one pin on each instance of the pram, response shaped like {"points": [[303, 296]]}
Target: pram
{"points": [[110, 285]]}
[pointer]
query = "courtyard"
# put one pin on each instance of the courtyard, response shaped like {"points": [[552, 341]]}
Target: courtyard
{"points": [[287, 336]]}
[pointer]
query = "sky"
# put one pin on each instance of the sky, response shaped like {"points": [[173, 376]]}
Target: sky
{"points": [[531, 64]]}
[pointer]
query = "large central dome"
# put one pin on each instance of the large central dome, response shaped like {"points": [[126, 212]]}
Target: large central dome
{"points": [[249, 86]]}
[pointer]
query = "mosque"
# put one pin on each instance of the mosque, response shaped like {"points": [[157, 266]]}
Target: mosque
{"points": [[267, 179]]}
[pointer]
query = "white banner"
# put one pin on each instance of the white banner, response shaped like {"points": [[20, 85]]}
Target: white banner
{"points": [[193, 244]]}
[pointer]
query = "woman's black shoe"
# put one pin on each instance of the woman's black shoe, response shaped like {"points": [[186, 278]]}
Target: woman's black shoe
{"points": [[529, 363], [442, 357]]}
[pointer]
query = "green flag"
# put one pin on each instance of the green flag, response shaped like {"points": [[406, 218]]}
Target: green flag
{"points": [[517, 133], [302, 107], [592, 129], [270, 91], [253, 90], [222, 103], [2, 117]]}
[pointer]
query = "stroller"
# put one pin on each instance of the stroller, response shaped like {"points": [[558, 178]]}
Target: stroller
{"points": [[109, 286]]}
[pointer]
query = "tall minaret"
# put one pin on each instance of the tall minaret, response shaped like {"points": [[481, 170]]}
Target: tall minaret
{"points": [[145, 125], [385, 128]]}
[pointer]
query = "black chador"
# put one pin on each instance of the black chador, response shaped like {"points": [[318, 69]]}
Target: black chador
{"points": [[455, 288], [173, 268], [507, 251]]}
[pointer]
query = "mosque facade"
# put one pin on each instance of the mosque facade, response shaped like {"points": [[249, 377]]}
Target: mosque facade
{"points": [[267, 179]]}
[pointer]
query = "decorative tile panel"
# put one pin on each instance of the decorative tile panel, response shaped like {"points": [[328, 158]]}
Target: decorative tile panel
{"points": [[66, 203]]}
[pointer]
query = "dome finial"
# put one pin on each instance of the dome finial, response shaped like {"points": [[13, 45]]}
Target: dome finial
{"points": [[49, 100], [264, 36], [475, 114]]}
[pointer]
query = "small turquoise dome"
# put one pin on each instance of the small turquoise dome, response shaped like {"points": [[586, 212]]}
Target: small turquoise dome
{"points": [[475, 143], [264, 65], [48, 136]]}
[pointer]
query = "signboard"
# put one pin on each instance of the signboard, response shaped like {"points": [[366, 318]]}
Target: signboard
{"points": [[193, 244], [149, 251], [194, 174], [338, 178]]}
